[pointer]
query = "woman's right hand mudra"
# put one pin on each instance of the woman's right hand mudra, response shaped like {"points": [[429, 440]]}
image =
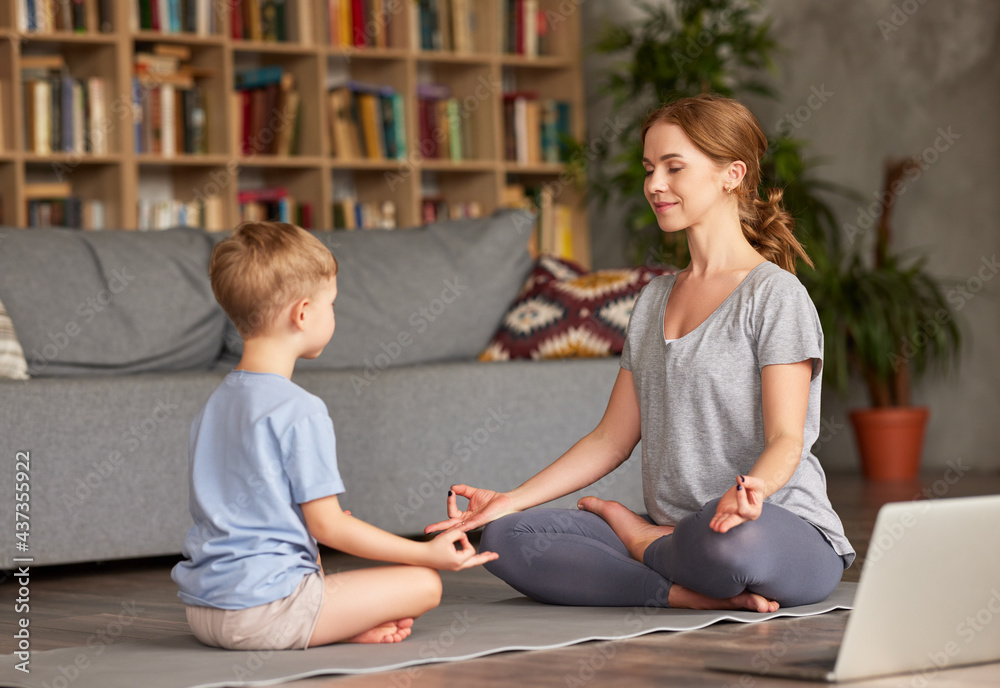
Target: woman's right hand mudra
{"points": [[484, 506]]}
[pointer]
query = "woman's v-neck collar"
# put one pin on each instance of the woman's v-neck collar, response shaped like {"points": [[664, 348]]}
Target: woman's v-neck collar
{"points": [[666, 297]]}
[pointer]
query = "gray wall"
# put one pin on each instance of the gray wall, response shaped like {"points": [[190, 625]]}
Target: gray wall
{"points": [[893, 82]]}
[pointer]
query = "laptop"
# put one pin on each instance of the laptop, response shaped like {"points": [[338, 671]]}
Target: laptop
{"points": [[928, 598]]}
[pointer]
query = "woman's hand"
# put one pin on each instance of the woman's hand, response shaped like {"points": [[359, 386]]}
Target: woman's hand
{"points": [[445, 556], [484, 506], [742, 502]]}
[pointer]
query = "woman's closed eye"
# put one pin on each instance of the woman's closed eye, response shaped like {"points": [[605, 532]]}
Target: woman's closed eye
{"points": [[671, 170]]}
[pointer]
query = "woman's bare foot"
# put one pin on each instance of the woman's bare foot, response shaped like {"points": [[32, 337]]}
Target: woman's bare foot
{"points": [[636, 532], [389, 632], [685, 598]]}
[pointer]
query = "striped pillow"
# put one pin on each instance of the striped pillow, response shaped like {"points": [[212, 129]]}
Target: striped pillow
{"points": [[12, 362]]}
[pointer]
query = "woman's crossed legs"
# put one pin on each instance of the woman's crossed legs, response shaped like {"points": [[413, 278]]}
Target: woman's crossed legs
{"points": [[592, 557]]}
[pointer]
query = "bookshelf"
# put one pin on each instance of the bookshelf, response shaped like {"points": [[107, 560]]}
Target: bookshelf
{"points": [[467, 56]]}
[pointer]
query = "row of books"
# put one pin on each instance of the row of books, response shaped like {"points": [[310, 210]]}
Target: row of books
{"points": [[444, 132], [173, 16], [170, 109], [553, 233], [61, 112], [446, 25], [271, 20], [358, 23], [206, 213], [534, 128], [79, 16], [350, 213], [54, 205], [366, 122], [268, 112], [438, 24], [275, 204], [452, 25], [525, 28], [434, 208]]}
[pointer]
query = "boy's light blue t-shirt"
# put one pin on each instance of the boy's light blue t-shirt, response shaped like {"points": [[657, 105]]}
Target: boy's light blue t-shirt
{"points": [[259, 448]]}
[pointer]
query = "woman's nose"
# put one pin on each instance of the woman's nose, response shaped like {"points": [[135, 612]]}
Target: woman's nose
{"points": [[657, 181]]}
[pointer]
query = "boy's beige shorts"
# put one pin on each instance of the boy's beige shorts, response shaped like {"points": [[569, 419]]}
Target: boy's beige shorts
{"points": [[285, 624]]}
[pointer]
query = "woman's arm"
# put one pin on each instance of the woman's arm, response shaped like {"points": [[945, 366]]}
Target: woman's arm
{"points": [[597, 454], [784, 391]]}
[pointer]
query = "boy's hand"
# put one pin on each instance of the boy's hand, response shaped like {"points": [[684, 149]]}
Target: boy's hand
{"points": [[444, 555]]}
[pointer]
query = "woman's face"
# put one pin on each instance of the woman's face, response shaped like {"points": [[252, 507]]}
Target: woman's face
{"points": [[683, 185]]}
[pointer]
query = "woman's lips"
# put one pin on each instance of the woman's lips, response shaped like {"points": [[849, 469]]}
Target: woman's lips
{"points": [[663, 207]]}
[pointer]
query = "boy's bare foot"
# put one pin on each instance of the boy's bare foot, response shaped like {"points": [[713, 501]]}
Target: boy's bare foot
{"points": [[635, 532], [685, 598], [389, 632]]}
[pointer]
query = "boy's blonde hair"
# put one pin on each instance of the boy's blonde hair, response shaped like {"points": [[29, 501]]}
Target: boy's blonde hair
{"points": [[262, 268]]}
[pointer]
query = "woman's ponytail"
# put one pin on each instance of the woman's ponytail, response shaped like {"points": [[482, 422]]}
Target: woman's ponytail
{"points": [[770, 229]]}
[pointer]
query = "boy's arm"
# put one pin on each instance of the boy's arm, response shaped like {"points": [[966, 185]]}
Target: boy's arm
{"points": [[333, 527]]}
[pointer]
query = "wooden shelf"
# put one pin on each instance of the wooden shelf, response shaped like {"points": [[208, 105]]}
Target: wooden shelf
{"points": [[66, 37], [152, 159], [123, 177], [459, 58], [280, 161], [178, 37], [460, 166], [368, 53]]}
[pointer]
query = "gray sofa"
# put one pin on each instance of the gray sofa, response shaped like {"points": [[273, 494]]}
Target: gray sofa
{"points": [[125, 343]]}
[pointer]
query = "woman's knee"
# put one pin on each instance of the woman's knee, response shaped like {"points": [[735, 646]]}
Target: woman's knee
{"points": [[695, 541], [497, 535]]}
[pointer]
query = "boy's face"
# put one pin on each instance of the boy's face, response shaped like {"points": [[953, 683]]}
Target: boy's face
{"points": [[321, 322]]}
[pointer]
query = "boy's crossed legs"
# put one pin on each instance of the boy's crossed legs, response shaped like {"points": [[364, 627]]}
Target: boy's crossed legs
{"points": [[375, 605]]}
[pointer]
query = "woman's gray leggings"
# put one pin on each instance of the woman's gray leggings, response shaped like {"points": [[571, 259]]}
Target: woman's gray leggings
{"points": [[563, 556]]}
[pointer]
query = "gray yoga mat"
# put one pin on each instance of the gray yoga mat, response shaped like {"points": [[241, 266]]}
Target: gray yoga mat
{"points": [[462, 627]]}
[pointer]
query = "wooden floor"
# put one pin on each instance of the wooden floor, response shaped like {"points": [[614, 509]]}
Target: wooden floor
{"points": [[74, 605]]}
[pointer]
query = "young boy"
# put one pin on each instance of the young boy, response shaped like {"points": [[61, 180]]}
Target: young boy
{"points": [[264, 479]]}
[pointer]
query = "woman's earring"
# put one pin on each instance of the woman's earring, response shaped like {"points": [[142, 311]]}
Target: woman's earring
{"points": [[729, 191]]}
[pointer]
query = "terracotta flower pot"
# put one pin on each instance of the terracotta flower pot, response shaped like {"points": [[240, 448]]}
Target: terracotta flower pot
{"points": [[890, 440]]}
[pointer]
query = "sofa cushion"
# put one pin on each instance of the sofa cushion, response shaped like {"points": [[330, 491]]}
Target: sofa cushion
{"points": [[12, 363], [563, 311], [423, 294], [113, 302]]}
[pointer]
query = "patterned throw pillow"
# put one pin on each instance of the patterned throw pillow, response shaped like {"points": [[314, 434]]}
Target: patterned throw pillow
{"points": [[12, 362], [563, 311]]}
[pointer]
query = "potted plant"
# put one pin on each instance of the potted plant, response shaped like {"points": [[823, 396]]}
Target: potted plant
{"points": [[888, 322]]}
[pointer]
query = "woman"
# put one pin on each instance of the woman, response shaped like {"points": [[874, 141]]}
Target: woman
{"points": [[720, 379]]}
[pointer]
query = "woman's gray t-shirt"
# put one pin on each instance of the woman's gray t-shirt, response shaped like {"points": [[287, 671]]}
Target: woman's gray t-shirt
{"points": [[700, 399]]}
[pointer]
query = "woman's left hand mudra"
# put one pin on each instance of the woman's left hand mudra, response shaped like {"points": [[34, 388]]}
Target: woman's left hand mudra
{"points": [[742, 502]]}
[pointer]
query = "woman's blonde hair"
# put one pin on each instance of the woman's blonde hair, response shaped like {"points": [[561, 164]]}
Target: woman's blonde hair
{"points": [[725, 130], [264, 266]]}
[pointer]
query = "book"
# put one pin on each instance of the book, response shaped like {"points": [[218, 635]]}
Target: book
{"points": [[290, 114], [564, 231], [168, 141], [455, 126], [342, 132], [369, 126], [38, 117]]}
